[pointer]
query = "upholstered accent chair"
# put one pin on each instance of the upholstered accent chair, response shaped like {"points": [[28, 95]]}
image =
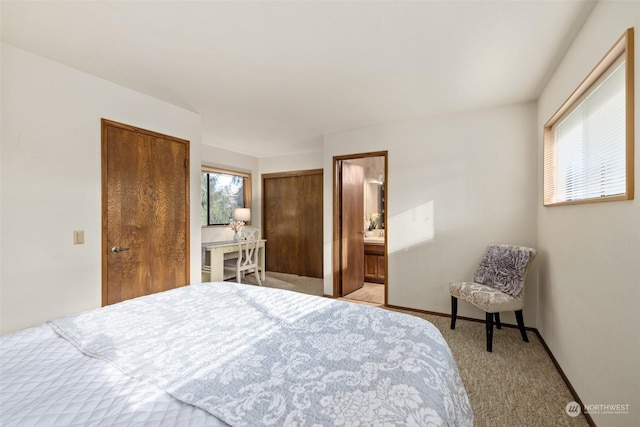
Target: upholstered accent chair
{"points": [[498, 285], [247, 261]]}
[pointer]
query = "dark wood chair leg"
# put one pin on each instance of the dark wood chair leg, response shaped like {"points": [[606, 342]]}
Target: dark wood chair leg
{"points": [[454, 311], [489, 319], [497, 319], [523, 331]]}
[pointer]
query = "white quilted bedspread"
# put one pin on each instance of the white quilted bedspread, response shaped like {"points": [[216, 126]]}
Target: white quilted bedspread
{"points": [[46, 381], [250, 356]]}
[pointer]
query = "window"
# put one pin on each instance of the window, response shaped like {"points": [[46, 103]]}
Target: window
{"points": [[588, 142], [222, 192]]}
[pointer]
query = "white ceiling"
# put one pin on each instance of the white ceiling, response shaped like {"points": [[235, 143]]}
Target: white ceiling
{"points": [[272, 77]]}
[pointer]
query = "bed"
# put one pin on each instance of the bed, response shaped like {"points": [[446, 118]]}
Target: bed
{"points": [[217, 354]]}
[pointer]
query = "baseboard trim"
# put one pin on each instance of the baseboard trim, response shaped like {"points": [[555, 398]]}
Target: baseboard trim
{"points": [[573, 392], [508, 325], [417, 310], [471, 319]]}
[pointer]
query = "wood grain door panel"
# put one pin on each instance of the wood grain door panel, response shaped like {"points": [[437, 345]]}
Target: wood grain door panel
{"points": [[351, 237], [310, 225], [292, 222], [145, 212], [281, 224]]}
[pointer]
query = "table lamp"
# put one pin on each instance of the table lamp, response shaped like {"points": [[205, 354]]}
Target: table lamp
{"points": [[242, 214]]}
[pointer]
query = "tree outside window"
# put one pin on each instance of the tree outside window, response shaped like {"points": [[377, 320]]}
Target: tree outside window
{"points": [[223, 192]]}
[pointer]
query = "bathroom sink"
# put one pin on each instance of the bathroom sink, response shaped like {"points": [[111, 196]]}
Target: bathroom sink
{"points": [[374, 239]]}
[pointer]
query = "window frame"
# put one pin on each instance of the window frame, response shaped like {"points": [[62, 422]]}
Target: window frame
{"points": [[247, 189], [623, 46]]}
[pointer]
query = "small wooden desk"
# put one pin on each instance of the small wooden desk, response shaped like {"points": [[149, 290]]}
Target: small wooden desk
{"points": [[217, 252]]}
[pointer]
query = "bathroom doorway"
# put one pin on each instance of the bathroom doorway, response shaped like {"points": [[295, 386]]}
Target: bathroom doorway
{"points": [[360, 227]]}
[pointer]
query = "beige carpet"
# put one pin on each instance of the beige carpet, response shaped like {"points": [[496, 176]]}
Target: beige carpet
{"points": [[515, 385]]}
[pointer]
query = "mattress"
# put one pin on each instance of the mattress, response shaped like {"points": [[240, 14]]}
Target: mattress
{"points": [[218, 354]]}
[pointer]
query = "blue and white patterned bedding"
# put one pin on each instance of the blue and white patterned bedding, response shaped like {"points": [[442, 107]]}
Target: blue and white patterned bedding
{"points": [[257, 356]]}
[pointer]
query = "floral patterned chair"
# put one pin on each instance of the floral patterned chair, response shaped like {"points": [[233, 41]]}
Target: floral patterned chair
{"points": [[498, 285]]}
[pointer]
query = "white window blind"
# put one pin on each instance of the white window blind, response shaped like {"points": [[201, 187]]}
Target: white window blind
{"points": [[589, 141], [590, 144]]}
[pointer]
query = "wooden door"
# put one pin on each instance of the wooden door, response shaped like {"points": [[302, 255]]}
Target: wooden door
{"points": [[280, 223], [352, 227], [310, 228], [145, 212], [292, 222]]}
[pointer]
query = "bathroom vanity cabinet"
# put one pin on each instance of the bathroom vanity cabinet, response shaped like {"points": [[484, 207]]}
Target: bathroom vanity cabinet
{"points": [[374, 262]]}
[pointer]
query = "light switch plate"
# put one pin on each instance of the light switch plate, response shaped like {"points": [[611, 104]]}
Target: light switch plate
{"points": [[78, 237]]}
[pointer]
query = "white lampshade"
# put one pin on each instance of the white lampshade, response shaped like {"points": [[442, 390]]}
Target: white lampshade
{"points": [[242, 214]]}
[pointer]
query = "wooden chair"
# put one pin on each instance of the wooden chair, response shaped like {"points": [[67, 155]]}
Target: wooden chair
{"points": [[247, 261], [498, 285]]}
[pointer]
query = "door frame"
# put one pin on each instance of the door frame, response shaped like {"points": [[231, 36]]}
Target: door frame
{"points": [[105, 124], [337, 219]]}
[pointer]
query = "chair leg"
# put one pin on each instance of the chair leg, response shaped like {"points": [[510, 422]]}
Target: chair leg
{"points": [[523, 331], [257, 273], [497, 320], [489, 321], [454, 311]]}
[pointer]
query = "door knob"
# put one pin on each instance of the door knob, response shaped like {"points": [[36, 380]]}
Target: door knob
{"points": [[118, 249]]}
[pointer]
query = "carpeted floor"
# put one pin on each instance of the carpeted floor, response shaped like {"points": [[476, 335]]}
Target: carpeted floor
{"points": [[515, 385]]}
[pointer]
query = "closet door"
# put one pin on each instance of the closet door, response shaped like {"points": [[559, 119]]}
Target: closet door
{"points": [[280, 219], [310, 225], [292, 222], [145, 212]]}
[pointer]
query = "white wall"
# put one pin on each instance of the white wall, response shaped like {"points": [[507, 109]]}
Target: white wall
{"points": [[51, 182], [456, 184], [590, 254], [294, 162]]}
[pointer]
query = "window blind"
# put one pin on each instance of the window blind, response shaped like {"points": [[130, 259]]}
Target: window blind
{"points": [[590, 144]]}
